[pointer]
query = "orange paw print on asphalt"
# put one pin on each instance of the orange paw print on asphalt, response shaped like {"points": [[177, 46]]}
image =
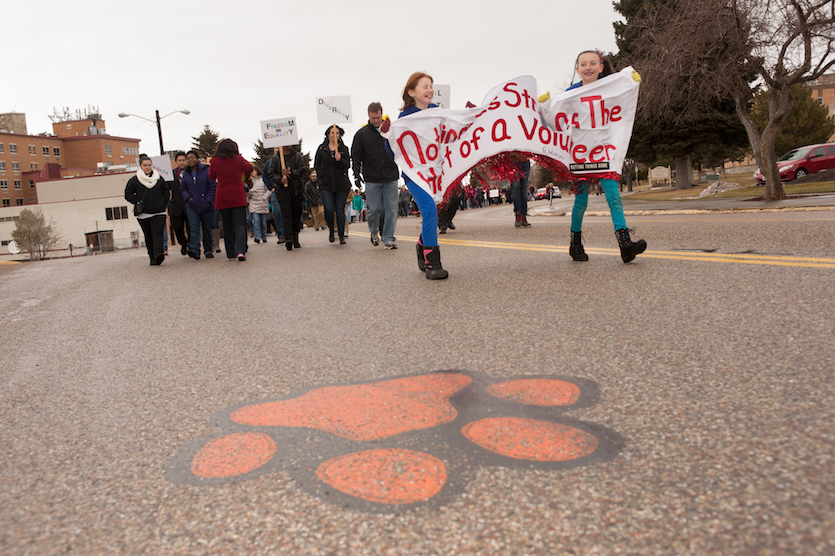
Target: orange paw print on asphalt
{"points": [[401, 442]]}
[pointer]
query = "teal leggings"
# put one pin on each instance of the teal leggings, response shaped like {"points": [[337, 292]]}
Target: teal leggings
{"points": [[581, 201]]}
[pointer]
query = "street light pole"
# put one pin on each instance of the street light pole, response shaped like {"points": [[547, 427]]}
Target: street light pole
{"points": [[156, 121], [159, 130]]}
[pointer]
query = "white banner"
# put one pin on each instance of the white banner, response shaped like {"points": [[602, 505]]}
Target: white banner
{"points": [[334, 110], [587, 130], [279, 132]]}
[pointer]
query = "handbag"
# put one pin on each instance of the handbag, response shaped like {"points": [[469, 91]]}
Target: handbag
{"points": [[139, 207]]}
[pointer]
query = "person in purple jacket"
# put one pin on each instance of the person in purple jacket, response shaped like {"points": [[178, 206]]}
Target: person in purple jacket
{"points": [[199, 194]]}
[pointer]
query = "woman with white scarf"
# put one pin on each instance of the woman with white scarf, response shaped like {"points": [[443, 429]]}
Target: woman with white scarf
{"points": [[149, 193]]}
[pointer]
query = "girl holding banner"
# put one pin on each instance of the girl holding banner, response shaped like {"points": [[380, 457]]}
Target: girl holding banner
{"points": [[417, 96], [590, 66]]}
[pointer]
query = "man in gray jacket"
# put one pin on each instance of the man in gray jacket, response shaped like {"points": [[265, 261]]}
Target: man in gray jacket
{"points": [[314, 199], [373, 163]]}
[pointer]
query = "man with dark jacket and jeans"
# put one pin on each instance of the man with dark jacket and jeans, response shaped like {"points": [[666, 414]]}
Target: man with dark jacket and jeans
{"points": [[374, 164], [290, 192]]}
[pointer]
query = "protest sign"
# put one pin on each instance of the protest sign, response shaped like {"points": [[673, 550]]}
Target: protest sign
{"points": [[279, 132], [334, 110], [442, 98], [586, 130], [162, 164]]}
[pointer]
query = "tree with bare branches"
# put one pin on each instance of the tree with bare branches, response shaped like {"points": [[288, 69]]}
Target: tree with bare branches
{"points": [[35, 233], [693, 51]]}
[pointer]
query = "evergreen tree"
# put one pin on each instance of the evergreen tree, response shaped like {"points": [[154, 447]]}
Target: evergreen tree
{"points": [[670, 128], [808, 122], [206, 142]]}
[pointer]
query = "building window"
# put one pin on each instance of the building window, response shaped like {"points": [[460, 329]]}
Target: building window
{"points": [[33, 166], [56, 151], [130, 150], [45, 151], [108, 149], [2, 165], [116, 213], [2, 150], [32, 200], [13, 148], [18, 185], [18, 202], [31, 184], [5, 242], [15, 166], [33, 150], [4, 185], [6, 202]]}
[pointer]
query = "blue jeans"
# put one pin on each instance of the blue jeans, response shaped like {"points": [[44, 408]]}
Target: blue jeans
{"points": [[259, 226], [197, 222], [428, 211], [581, 201], [334, 204], [278, 220], [382, 197]]}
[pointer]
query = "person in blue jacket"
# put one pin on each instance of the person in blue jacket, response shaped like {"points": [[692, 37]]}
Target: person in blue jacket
{"points": [[199, 194], [590, 66], [417, 95]]}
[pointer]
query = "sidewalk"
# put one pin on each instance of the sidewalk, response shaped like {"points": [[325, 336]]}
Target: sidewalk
{"points": [[598, 206]]}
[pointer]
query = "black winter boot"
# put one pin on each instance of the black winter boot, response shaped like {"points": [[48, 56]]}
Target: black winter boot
{"points": [[434, 271], [628, 248], [419, 249], [576, 249]]}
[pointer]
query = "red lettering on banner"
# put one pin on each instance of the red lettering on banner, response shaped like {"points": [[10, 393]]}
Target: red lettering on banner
{"points": [[495, 104], [595, 153], [432, 180], [504, 136], [447, 154], [610, 148], [476, 137], [461, 149], [525, 128], [576, 151], [614, 117], [590, 100], [450, 136], [530, 102], [428, 152], [546, 139], [575, 122], [508, 90], [560, 116], [565, 142], [403, 149]]}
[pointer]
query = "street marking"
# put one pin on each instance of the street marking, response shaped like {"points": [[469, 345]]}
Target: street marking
{"points": [[738, 258]]}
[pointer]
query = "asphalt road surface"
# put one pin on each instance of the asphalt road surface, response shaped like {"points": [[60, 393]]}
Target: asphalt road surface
{"points": [[290, 404]]}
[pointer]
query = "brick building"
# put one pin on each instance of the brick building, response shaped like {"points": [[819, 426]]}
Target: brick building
{"points": [[823, 90], [75, 148]]}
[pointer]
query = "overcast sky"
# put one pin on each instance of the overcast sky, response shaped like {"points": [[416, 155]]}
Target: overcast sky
{"points": [[233, 64]]}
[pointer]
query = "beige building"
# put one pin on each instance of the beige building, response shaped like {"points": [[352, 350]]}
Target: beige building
{"points": [[80, 206]]}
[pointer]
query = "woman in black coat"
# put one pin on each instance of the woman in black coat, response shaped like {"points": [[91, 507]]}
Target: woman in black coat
{"points": [[331, 164], [149, 193]]}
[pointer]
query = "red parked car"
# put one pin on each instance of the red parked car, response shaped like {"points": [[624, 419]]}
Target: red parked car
{"points": [[803, 161]]}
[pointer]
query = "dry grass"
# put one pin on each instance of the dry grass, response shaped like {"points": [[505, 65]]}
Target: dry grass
{"points": [[749, 191]]}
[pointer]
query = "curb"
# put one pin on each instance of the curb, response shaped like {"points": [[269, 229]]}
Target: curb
{"points": [[690, 211]]}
